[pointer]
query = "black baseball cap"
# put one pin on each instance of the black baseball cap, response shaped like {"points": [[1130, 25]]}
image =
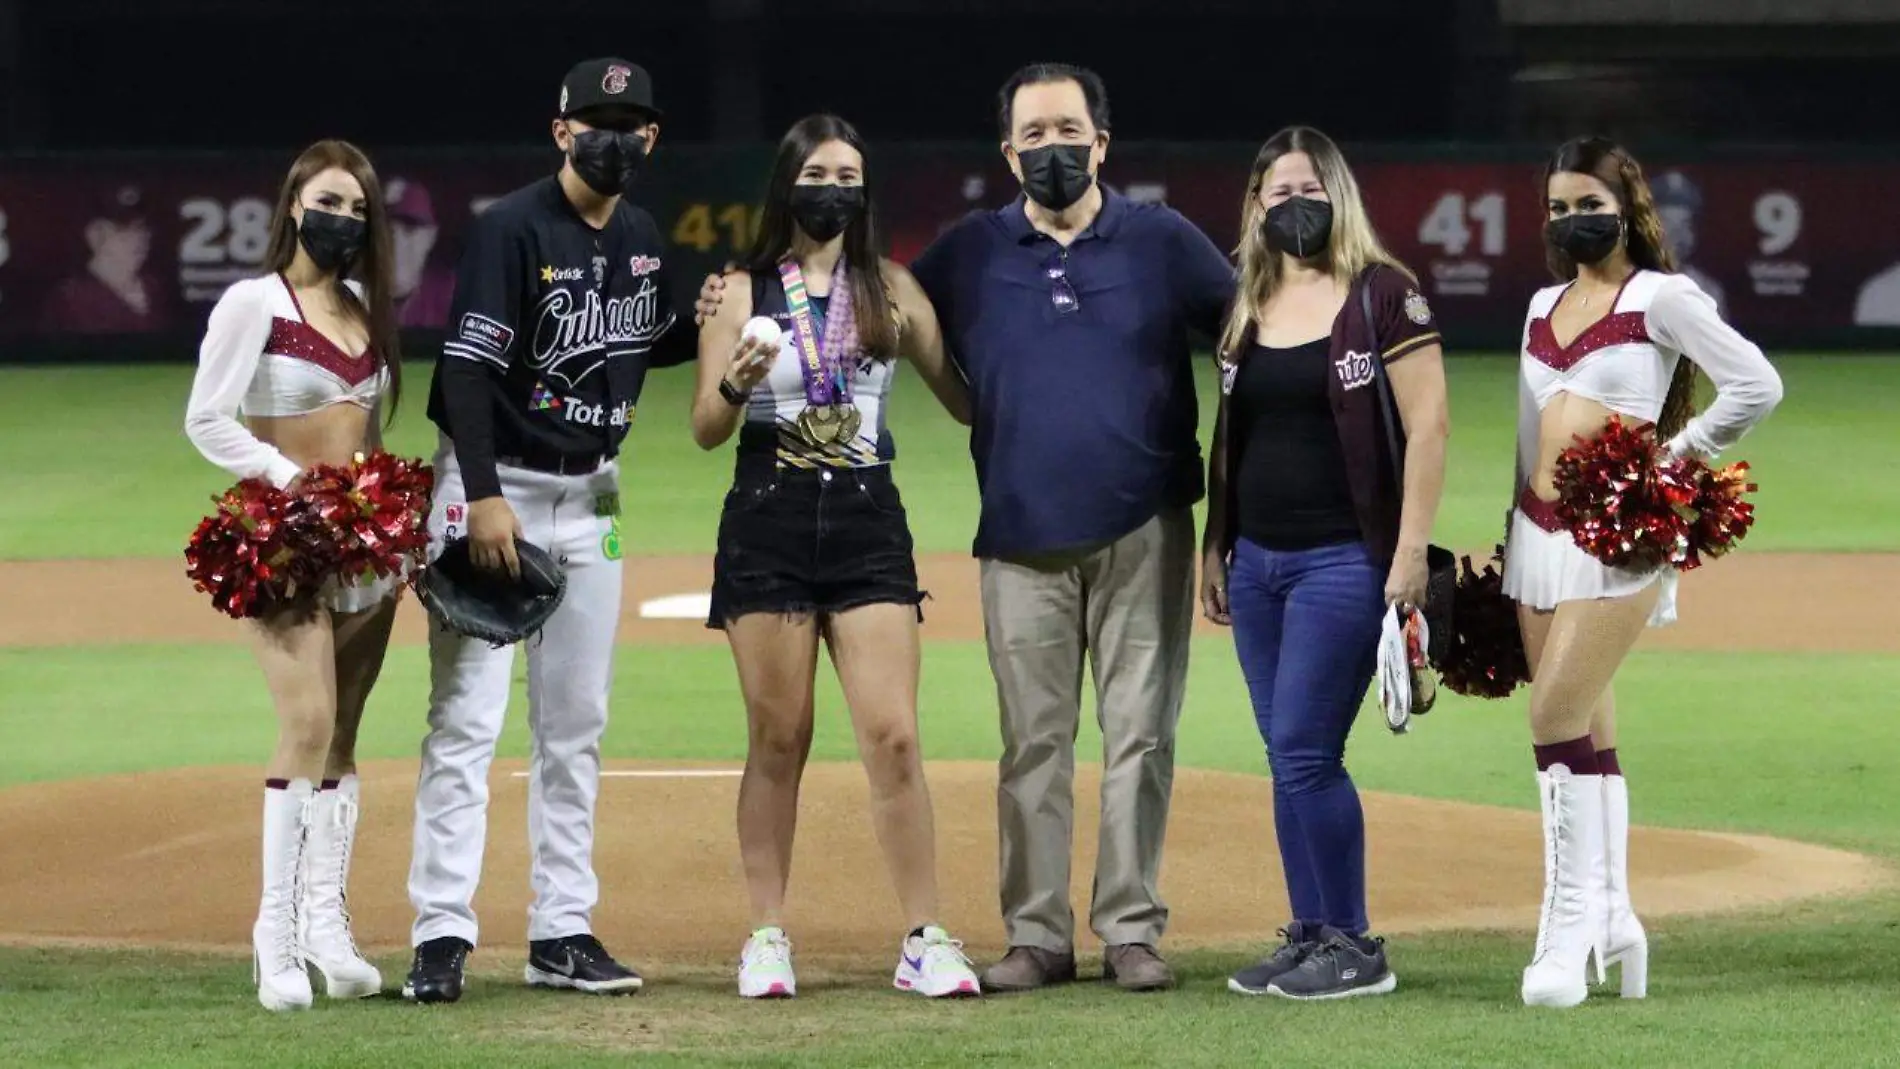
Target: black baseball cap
{"points": [[606, 83]]}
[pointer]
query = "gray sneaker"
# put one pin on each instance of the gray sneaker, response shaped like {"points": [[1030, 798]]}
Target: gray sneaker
{"points": [[1338, 968], [1301, 939]]}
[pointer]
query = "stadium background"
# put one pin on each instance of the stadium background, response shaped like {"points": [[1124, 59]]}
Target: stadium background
{"points": [[148, 140]]}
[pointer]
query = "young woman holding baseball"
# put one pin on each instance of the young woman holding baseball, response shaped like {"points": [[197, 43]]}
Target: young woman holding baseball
{"points": [[1314, 528], [309, 358], [798, 360], [1621, 336]]}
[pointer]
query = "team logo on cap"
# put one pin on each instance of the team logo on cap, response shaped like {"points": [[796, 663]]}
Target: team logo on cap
{"points": [[563, 107], [616, 80]]}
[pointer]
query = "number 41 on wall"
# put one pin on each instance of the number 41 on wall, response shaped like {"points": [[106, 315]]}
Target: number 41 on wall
{"points": [[1444, 226], [699, 226]]}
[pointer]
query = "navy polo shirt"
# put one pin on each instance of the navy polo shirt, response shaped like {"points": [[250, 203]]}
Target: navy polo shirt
{"points": [[1085, 421]]}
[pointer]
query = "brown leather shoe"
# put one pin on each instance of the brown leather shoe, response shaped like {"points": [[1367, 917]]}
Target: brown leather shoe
{"points": [[1028, 968], [1136, 967]]}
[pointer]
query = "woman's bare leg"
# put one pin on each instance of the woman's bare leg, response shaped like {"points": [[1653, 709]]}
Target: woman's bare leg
{"points": [[1586, 643], [296, 650], [362, 638], [875, 649], [777, 657]]}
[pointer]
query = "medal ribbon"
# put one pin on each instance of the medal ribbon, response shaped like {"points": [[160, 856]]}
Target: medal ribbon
{"points": [[822, 361]]}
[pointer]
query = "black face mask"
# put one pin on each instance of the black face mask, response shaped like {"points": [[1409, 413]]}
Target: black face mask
{"points": [[332, 240], [1299, 227], [824, 212], [1585, 238], [607, 160], [1056, 176]]}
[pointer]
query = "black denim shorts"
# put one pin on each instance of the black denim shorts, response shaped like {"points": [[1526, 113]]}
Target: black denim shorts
{"points": [[811, 543]]}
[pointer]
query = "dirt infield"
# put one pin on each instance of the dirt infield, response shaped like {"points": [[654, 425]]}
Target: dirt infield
{"points": [[1763, 601], [171, 857], [180, 866]]}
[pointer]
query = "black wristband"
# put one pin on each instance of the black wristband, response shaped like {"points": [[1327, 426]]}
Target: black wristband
{"points": [[731, 393]]}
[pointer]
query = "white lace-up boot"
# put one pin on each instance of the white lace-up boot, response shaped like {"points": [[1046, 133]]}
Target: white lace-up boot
{"points": [[1571, 925], [1625, 944], [282, 983], [324, 934]]}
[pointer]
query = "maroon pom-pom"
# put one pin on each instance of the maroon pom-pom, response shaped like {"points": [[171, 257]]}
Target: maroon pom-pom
{"points": [[1485, 658], [264, 547], [261, 548], [1625, 501], [376, 510], [1722, 518]]}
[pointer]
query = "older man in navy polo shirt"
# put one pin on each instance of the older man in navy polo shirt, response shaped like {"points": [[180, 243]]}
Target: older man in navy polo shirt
{"points": [[1070, 312]]}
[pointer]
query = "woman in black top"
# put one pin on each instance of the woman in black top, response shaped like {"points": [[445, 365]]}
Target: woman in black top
{"points": [[1311, 533]]}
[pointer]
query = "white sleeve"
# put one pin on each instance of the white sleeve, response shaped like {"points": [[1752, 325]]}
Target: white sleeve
{"points": [[1683, 317], [227, 359], [1529, 425]]}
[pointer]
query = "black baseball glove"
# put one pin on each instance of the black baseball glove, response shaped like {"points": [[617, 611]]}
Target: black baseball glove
{"points": [[490, 605]]}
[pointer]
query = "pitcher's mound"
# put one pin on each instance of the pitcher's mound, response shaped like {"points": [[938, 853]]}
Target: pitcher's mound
{"points": [[171, 858]]}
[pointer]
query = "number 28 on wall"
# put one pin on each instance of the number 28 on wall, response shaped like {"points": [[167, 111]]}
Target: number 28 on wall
{"points": [[699, 227], [1446, 224], [220, 233]]}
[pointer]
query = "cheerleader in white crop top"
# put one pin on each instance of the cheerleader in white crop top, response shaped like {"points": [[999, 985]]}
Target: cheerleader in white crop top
{"points": [[309, 360], [1622, 336]]}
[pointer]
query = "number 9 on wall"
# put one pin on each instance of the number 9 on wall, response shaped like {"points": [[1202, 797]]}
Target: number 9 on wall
{"points": [[1778, 217], [220, 233]]}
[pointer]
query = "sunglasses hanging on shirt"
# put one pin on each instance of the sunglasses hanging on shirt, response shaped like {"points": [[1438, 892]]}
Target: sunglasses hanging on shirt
{"points": [[1061, 292]]}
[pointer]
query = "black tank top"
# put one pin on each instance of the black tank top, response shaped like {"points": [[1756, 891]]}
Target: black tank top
{"points": [[1291, 477]]}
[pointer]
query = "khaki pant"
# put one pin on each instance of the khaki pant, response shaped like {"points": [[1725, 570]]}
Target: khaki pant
{"points": [[1130, 606]]}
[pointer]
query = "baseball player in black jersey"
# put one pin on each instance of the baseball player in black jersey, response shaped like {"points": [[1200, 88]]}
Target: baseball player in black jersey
{"points": [[561, 304]]}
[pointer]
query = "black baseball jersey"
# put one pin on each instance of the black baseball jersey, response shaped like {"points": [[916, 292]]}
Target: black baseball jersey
{"points": [[550, 334]]}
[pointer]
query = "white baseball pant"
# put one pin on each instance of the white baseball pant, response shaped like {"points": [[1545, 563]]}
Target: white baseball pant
{"points": [[570, 668]]}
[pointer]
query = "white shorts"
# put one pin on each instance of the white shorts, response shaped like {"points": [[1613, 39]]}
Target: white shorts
{"points": [[1543, 566], [339, 595]]}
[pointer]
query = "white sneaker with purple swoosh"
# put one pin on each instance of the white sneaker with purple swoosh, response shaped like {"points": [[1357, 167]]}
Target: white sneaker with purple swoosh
{"points": [[934, 965]]}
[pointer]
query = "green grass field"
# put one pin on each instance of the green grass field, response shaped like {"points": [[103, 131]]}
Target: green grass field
{"points": [[1793, 745]]}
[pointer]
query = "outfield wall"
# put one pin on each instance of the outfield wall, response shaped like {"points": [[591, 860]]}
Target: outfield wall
{"points": [[1791, 240]]}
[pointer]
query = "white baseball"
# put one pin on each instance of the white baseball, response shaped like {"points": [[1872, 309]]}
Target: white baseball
{"points": [[762, 329]]}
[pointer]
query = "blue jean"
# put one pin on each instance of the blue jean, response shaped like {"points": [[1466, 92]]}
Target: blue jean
{"points": [[1306, 628]]}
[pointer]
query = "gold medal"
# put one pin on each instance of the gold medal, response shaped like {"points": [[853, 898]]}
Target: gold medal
{"points": [[820, 424], [853, 420]]}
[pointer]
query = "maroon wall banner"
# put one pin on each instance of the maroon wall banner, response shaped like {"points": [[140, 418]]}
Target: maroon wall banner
{"points": [[92, 249]]}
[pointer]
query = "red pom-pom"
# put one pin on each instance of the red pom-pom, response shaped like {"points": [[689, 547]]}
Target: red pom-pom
{"points": [[1485, 658], [376, 510], [1625, 501], [1722, 518], [261, 548], [264, 547]]}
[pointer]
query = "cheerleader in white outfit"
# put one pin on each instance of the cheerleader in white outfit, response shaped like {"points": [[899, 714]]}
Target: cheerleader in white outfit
{"points": [[1622, 336], [310, 361]]}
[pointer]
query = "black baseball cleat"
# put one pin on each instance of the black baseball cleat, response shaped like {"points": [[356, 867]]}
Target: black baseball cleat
{"points": [[578, 963], [1301, 939], [436, 975], [1340, 967]]}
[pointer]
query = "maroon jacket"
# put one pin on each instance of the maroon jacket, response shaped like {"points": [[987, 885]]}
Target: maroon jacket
{"points": [[1402, 323]]}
